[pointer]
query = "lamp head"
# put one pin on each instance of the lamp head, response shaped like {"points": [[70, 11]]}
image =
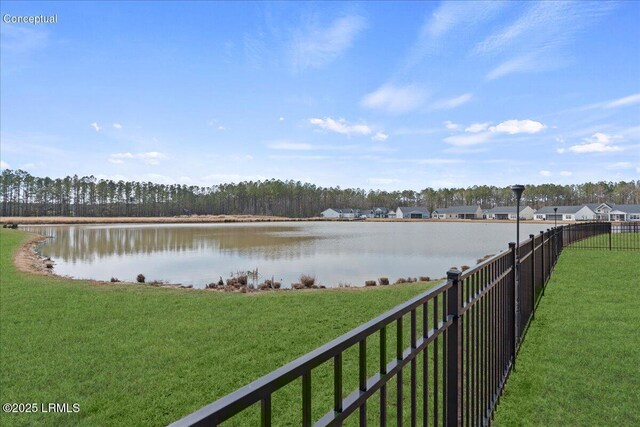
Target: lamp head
{"points": [[517, 190]]}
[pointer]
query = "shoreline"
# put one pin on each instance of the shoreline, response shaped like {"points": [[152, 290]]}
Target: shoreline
{"points": [[232, 219], [27, 260]]}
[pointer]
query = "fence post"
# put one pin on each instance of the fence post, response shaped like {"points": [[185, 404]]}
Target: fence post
{"points": [[512, 314], [544, 277], [454, 350], [533, 275], [609, 230]]}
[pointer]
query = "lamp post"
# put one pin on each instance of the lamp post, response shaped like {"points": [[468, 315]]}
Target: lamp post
{"points": [[555, 217], [517, 191]]}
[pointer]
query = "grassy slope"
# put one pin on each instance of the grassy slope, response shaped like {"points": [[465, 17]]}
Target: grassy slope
{"points": [[139, 355], [580, 362]]}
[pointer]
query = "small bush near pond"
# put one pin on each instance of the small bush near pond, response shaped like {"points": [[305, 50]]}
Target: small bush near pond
{"points": [[140, 278], [370, 283], [384, 281], [307, 281]]}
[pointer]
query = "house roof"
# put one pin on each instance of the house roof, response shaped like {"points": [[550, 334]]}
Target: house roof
{"points": [[458, 209], [505, 210], [564, 209], [413, 209], [343, 210], [627, 208]]}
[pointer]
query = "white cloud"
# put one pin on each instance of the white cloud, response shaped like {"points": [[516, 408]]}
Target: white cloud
{"points": [[221, 128], [482, 132], [286, 145], [96, 126], [301, 157], [395, 99], [150, 157], [566, 173], [449, 16], [598, 143], [281, 119], [4, 165], [341, 126], [450, 125], [466, 140], [513, 127], [538, 39], [545, 173], [561, 150], [447, 104], [117, 125], [19, 39], [316, 46], [380, 136], [477, 127], [623, 102], [527, 62], [620, 165]]}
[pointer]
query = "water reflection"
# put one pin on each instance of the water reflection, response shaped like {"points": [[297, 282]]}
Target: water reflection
{"points": [[335, 253]]}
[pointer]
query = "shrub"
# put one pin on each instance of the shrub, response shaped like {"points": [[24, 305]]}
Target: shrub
{"points": [[242, 279], [297, 286], [114, 280], [307, 281], [464, 267], [425, 278], [401, 280], [384, 281], [140, 278], [370, 283]]}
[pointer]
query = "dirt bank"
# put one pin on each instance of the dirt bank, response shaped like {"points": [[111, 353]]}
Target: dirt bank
{"points": [[27, 260]]}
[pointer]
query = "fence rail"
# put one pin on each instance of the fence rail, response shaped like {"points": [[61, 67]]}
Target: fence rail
{"points": [[611, 235], [464, 335]]}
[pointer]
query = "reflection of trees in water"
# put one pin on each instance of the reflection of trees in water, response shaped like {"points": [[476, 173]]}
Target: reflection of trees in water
{"points": [[88, 243]]}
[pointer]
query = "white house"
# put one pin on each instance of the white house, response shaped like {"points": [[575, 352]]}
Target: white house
{"points": [[565, 213], [458, 212], [413, 212], [339, 213], [613, 212], [631, 212], [508, 212]]}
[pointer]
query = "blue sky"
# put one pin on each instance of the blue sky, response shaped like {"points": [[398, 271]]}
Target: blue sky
{"points": [[370, 95]]}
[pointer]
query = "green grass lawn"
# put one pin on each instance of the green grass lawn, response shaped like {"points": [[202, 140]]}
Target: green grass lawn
{"points": [[138, 355], [580, 362]]}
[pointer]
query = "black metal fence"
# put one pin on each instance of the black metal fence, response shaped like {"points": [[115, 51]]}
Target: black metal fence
{"points": [[463, 336], [611, 235]]}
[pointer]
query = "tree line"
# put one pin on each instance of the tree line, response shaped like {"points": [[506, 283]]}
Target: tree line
{"points": [[25, 195]]}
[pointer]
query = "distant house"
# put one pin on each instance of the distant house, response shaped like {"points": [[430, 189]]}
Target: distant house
{"points": [[508, 212], [412, 212], [458, 212], [375, 212], [391, 214], [380, 212], [565, 213], [339, 213], [613, 212], [631, 212]]}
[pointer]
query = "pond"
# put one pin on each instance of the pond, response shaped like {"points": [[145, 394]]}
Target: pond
{"points": [[336, 253]]}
